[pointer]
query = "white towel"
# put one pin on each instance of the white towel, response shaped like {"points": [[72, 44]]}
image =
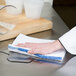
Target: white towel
{"points": [[56, 56]]}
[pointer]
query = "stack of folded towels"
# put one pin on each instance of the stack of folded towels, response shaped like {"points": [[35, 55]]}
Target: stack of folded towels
{"points": [[56, 57]]}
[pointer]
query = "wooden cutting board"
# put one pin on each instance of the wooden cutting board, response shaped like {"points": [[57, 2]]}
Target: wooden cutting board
{"points": [[2, 2], [23, 25]]}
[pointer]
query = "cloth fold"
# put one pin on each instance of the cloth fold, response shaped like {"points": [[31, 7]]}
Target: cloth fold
{"points": [[57, 56]]}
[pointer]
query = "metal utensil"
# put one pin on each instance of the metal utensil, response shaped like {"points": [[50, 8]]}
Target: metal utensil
{"points": [[4, 30]]}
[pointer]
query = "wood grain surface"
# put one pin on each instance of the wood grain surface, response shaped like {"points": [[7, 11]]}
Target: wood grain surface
{"points": [[2, 2], [23, 25]]}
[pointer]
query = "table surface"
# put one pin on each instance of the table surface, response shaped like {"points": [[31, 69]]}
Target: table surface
{"points": [[35, 69]]}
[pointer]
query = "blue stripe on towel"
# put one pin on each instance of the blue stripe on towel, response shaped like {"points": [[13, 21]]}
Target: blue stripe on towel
{"points": [[17, 48], [11, 47], [37, 55], [23, 50], [48, 57]]}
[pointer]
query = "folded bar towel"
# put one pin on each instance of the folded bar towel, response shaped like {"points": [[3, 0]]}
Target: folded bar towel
{"points": [[57, 56]]}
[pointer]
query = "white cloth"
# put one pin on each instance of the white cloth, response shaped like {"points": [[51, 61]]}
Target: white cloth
{"points": [[68, 40]]}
